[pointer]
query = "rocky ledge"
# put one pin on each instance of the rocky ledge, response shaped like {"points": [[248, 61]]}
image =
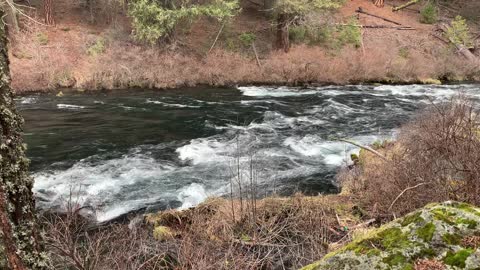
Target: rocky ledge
{"points": [[439, 236]]}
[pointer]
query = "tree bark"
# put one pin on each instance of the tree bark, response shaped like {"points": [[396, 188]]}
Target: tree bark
{"points": [[48, 12], [20, 239], [283, 40]]}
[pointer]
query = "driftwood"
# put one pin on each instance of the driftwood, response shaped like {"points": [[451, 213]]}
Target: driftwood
{"points": [[410, 3], [360, 10]]}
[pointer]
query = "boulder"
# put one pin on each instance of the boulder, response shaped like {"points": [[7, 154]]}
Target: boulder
{"points": [[445, 235]]}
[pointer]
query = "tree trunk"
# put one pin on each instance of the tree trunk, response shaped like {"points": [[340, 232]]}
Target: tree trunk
{"points": [[48, 12], [283, 40], [20, 240]]}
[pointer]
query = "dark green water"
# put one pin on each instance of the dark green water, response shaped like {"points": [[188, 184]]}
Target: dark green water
{"points": [[124, 151]]}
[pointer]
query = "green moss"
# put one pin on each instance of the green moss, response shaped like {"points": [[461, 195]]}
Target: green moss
{"points": [[471, 224], [467, 208], [365, 247], [457, 259], [311, 266], [395, 259], [444, 215], [408, 266], [412, 218], [425, 253], [452, 239], [393, 238], [426, 232]]}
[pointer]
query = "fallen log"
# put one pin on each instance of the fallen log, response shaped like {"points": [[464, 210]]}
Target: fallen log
{"points": [[360, 10], [462, 49], [378, 26], [410, 3]]}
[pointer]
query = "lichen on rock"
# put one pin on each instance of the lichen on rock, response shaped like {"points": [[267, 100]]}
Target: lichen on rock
{"points": [[440, 232]]}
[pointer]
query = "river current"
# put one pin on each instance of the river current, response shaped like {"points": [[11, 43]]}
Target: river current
{"points": [[143, 150]]}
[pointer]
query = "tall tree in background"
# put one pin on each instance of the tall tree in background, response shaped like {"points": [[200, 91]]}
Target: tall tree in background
{"points": [[48, 12], [287, 12], [20, 247]]}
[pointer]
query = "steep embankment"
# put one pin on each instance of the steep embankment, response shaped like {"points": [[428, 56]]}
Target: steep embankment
{"points": [[80, 54]]}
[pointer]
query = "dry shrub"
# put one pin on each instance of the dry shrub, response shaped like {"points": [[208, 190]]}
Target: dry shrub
{"points": [[436, 158], [64, 62], [276, 234], [73, 242], [279, 233]]}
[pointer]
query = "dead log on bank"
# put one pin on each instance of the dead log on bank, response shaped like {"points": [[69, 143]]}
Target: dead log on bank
{"points": [[377, 26], [462, 49], [410, 3], [360, 10]]}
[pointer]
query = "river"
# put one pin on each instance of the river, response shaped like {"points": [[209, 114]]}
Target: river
{"points": [[144, 150]]}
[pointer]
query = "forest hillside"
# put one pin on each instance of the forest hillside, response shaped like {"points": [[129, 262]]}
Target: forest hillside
{"points": [[100, 44]]}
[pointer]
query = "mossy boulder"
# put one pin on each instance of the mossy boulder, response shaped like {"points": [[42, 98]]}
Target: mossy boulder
{"points": [[439, 232]]}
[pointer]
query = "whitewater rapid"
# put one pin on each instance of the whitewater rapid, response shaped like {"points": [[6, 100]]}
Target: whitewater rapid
{"points": [[123, 152]]}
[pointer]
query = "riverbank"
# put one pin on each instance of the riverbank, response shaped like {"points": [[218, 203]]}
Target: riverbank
{"points": [[77, 54], [302, 66]]}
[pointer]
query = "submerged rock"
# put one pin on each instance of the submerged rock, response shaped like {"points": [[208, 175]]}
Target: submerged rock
{"points": [[447, 234]]}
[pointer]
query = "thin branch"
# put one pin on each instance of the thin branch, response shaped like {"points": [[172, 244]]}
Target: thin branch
{"points": [[403, 192], [216, 38], [367, 148]]}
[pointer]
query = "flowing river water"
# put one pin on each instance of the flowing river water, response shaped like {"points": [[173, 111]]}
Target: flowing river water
{"points": [[136, 150]]}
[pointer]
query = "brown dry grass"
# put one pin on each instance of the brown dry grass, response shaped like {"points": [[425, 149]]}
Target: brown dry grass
{"points": [[282, 233], [435, 159]]}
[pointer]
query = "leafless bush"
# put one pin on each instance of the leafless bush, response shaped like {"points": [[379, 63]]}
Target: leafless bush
{"points": [[286, 234], [74, 242], [436, 158]]}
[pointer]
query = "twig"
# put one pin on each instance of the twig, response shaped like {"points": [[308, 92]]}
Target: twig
{"points": [[369, 149], [403, 192], [256, 54], [366, 223], [253, 244], [216, 38]]}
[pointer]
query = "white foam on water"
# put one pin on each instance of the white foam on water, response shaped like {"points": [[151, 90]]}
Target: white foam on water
{"points": [[170, 104], [95, 183], [440, 92], [111, 212], [204, 150], [70, 106], [28, 100], [256, 91], [334, 153], [192, 195]]}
